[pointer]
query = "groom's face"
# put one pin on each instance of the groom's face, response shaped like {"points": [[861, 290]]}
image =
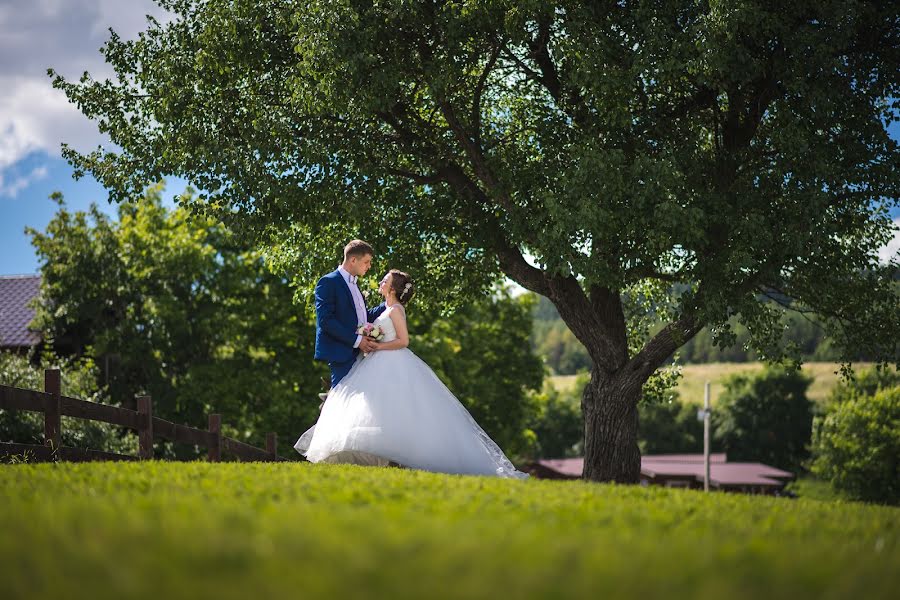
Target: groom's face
{"points": [[362, 265]]}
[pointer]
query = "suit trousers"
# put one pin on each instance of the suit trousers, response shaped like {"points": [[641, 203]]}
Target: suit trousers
{"points": [[339, 370]]}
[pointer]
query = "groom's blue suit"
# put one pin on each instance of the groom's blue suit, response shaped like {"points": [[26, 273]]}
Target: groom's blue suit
{"points": [[336, 324]]}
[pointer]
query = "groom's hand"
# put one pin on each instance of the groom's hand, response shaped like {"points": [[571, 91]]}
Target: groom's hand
{"points": [[368, 345]]}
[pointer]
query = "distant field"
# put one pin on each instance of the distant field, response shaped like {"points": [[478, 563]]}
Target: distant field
{"points": [[296, 530], [690, 388]]}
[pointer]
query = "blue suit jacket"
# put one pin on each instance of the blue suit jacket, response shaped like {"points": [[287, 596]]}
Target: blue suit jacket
{"points": [[336, 319]]}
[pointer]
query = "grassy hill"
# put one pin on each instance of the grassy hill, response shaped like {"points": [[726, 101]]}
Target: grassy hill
{"points": [[690, 388], [230, 530]]}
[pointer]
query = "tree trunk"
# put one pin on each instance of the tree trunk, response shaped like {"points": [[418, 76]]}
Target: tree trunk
{"points": [[609, 405]]}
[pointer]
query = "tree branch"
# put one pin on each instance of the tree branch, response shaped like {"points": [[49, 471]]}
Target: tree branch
{"points": [[479, 90], [422, 179]]}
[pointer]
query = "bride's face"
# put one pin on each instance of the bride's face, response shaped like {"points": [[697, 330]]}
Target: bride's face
{"points": [[385, 285]]}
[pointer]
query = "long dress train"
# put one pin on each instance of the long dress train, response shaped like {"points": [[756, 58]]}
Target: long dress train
{"points": [[392, 407]]}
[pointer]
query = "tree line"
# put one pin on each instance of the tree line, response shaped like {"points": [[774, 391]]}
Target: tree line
{"points": [[565, 355]]}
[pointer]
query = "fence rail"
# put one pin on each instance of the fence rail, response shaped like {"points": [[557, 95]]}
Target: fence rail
{"points": [[54, 405]]}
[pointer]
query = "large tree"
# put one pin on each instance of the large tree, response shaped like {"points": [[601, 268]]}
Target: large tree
{"points": [[632, 161]]}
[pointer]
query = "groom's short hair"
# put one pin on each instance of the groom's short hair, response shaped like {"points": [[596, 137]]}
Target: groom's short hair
{"points": [[357, 248]]}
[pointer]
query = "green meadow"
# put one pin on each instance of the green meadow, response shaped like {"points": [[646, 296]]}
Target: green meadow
{"points": [[264, 530]]}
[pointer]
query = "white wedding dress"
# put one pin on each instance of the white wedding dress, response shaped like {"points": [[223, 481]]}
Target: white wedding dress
{"points": [[392, 407]]}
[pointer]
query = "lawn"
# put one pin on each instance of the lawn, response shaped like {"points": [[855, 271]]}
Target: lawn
{"points": [[690, 388], [297, 530]]}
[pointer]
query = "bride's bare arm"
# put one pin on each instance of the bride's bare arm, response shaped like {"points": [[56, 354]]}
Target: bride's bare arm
{"points": [[398, 318]]}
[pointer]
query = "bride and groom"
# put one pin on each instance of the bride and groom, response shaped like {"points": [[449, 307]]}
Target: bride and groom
{"points": [[386, 406]]}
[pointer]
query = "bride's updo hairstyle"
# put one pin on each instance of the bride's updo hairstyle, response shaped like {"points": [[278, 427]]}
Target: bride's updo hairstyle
{"points": [[402, 285]]}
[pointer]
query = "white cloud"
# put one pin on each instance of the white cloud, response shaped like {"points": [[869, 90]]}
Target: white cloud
{"points": [[65, 35], [891, 250], [12, 189], [35, 117]]}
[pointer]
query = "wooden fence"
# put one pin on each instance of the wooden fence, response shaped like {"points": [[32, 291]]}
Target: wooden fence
{"points": [[54, 405]]}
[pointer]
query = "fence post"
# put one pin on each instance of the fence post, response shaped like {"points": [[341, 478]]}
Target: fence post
{"points": [[215, 443], [272, 445], [145, 427], [52, 425]]}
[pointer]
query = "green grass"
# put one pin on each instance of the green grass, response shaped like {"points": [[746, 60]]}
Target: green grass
{"points": [[690, 388], [297, 530], [816, 489]]}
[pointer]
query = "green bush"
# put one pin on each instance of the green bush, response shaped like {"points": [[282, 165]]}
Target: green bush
{"points": [[558, 425], [857, 447], [765, 417], [669, 427], [79, 378], [865, 383]]}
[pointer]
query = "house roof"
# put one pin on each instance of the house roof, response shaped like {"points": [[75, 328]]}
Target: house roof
{"points": [[721, 473], [714, 457], [688, 466], [16, 291]]}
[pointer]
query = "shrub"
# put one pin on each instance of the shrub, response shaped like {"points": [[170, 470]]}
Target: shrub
{"points": [[558, 424], [669, 427], [857, 447], [765, 417], [865, 383]]}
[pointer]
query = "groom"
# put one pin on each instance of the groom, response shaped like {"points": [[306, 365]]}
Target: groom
{"points": [[341, 309]]}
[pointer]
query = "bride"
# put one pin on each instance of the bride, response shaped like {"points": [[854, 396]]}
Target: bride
{"points": [[392, 408]]}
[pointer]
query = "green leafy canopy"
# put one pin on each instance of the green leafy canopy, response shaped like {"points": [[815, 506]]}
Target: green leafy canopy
{"points": [[680, 160]]}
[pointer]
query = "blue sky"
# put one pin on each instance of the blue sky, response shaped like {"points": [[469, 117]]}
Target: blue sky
{"points": [[35, 119], [41, 174]]}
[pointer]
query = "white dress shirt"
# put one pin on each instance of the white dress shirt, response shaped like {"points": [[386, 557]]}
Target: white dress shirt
{"points": [[362, 315]]}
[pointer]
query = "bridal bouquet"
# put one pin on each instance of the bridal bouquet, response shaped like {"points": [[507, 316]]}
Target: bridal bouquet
{"points": [[371, 331]]}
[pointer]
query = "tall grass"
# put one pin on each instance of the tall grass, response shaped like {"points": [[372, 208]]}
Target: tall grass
{"points": [[190, 530]]}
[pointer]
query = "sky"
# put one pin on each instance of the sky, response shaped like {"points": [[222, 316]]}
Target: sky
{"points": [[35, 119]]}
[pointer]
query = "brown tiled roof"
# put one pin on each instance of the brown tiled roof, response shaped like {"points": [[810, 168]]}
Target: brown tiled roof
{"points": [[16, 292], [688, 466]]}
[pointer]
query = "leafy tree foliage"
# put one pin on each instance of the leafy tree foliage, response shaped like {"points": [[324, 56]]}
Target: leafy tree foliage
{"points": [[558, 424], [857, 446], [865, 383], [765, 417], [565, 355], [183, 310], [648, 167], [670, 428]]}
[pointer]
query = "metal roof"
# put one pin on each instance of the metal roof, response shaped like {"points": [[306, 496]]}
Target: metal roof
{"points": [[688, 466]]}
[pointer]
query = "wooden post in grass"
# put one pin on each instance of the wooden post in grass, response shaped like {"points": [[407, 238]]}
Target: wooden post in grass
{"points": [[52, 425], [215, 442], [145, 427], [706, 439], [272, 445]]}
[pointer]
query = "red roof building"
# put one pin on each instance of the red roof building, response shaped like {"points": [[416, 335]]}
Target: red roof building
{"points": [[682, 470]]}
